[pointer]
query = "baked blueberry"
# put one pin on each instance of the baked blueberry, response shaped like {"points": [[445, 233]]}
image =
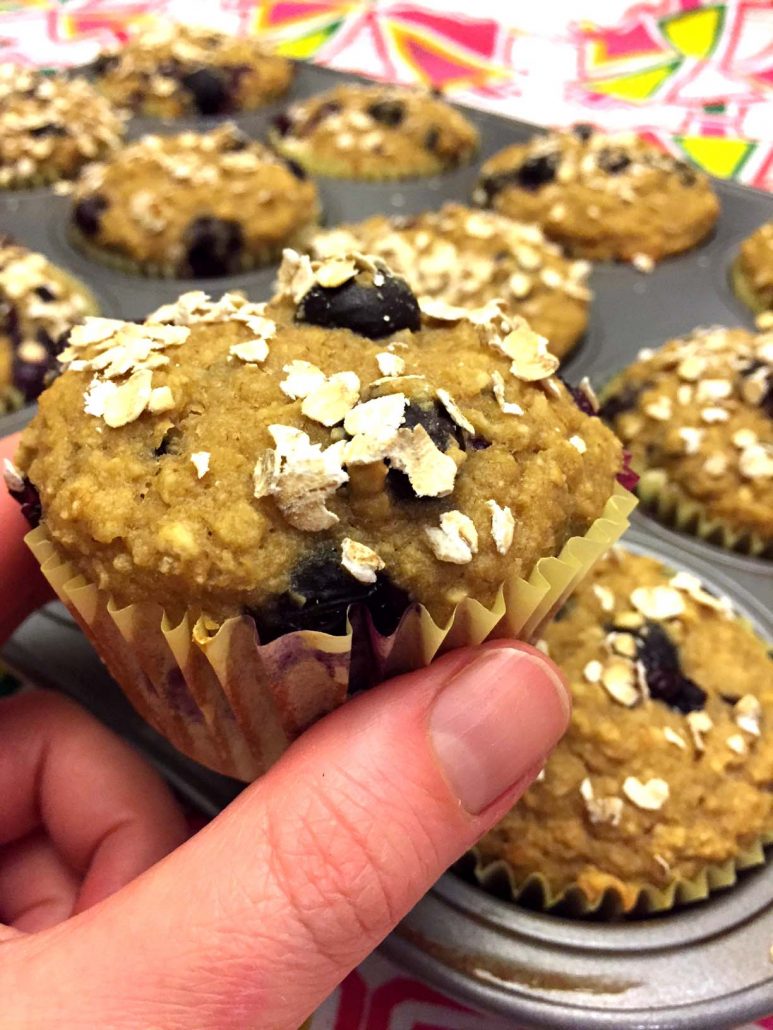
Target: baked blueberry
{"points": [[87, 213], [213, 247], [537, 171], [665, 680], [622, 400], [388, 112], [431, 139], [49, 129], [374, 308], [613, 161], [320, 594], [29, 500], [583, 131], [209, 91]]}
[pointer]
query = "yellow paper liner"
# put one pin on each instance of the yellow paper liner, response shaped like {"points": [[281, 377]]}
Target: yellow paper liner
{"points": [[499, 879], [673, 507], [257, 258], [235, 705]]}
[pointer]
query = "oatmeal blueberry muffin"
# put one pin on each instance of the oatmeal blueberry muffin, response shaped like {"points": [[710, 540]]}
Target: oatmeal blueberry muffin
{"points": [[50, 126], [192, 205], [172, 70], [38, 304], [465, 257], [601, 197], [753, 274], [374, 132], [660, 788], [255, 470], [696, 416]]}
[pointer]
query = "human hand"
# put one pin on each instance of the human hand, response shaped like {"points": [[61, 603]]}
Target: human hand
{"points": [[257, 918]]}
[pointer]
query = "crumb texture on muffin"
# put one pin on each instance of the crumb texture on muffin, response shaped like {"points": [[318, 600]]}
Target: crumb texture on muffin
{"points": [[753, 273], [40, 303], [465, 257], [375, 132], [170, 70], [601, 197], [51, 125], [698, 411], [230, 456], [667, 764], [193, 204]]}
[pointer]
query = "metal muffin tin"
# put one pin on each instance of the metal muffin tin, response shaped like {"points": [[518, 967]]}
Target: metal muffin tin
{"points": [[704, 966]]}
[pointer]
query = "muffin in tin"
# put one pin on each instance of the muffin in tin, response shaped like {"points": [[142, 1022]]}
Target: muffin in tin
{"points": [[257, 472], [752, 274], [374, 132], [465, 257], [660, 789], [39, 303], [50, 126], [601, 197], [696, 417], [171, 70], [192, 205]]}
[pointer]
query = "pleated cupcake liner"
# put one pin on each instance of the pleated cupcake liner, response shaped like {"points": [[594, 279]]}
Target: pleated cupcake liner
{"points": [[270, 254], [235, 705], [618, 899], [674, 508]]}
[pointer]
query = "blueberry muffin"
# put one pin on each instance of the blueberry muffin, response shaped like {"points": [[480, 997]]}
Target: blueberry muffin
{"points": [[173, 70], [38, 304], [466, 257], [666, 767], [601, 197], [192, 205], [696, 416], [752, 274], [50, 126], [290, 483], [374, 132]]}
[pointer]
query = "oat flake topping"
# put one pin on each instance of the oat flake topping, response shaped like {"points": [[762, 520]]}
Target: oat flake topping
{"points": [[361, 561], [650, 795], [456, 540]]}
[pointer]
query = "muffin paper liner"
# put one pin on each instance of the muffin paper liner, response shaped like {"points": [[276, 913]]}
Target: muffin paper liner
{"points": [[499, 879], [235, 704], [267, 255], [332, 169], [673, 507]]}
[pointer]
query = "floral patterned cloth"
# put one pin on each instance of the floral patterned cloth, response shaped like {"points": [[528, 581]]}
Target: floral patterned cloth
{"points": [[695, 76]]}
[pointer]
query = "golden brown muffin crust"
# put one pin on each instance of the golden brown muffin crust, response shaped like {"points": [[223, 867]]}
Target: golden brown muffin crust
{"points": [[601, 197], [466, 257], [375, 132], [164, 504], [582, 824]]}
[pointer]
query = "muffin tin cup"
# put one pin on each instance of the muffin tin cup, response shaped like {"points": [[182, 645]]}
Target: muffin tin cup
{"points": [[673, 507], [499, 879], [235, 705]]}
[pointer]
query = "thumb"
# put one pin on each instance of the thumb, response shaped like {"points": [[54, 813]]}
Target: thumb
{"points": [[256, 920]]}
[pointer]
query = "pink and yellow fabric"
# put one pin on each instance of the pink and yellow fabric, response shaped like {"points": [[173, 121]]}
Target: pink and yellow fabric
{"points": [[696, 76]]}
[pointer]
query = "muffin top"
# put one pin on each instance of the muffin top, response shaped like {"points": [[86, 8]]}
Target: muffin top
{"points": [[51, 125], [699, 409], [465, 257], [226, 456], [195, 204], [171, 70], [601, 196], [668, 760], [375, 132], [38, 304], [755, 266]]}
